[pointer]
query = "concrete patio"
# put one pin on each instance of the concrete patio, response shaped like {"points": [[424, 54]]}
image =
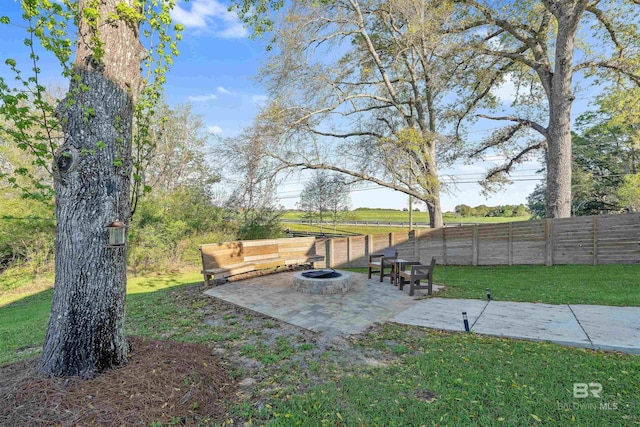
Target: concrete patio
{"points": [[369, 302]]}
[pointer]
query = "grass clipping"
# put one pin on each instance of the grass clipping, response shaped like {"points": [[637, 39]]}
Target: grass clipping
{"points": [[164, 381]]}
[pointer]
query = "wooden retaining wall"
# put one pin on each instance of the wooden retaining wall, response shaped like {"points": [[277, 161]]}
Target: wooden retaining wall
{"points": [[602, 239]]}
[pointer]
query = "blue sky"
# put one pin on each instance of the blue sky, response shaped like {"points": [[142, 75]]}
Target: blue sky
{"points": [[215, 73]]}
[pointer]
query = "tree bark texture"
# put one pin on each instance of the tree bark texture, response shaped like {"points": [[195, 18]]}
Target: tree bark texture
{"points": [[559, 129], [431, 183], [86, 327]]}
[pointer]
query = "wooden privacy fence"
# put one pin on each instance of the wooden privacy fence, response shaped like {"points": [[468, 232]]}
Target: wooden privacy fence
{"points": [[601, 239]]}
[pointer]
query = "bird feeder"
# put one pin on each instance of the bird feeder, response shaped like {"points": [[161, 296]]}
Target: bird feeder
{"points": [[117, 234]]}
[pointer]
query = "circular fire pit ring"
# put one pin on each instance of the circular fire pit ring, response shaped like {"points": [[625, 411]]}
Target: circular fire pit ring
{"points": [[322, 282]]}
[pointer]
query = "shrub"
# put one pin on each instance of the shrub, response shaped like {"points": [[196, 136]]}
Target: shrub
{"points": [[27, 234], [164, 229]]}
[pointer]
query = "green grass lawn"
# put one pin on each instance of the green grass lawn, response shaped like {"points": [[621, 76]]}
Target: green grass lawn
{"points": [[394, 215], [344, 229], [559, 284], [436, 378], [411, 376], [23, 326], [24, 320]]}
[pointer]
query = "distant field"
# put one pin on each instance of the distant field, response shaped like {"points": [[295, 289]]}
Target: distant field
{"points": [[401, 216], [343, 229]]}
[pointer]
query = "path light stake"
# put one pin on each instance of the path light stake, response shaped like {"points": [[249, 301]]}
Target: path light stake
{"points": [[117, 234], [488, 294], [465, 320]]}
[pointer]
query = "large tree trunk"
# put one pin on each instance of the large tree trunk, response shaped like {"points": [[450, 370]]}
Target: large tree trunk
{"points": [[92, 185], [431, 184], [559, 166], [560, 102], [435, 213]]}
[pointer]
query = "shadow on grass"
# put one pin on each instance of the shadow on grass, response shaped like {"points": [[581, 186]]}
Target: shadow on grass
{"points": [[24, 321]]}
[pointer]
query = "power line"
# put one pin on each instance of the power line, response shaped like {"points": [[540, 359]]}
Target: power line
{"points": [[443, 175], [521, 178], [380, 187]]}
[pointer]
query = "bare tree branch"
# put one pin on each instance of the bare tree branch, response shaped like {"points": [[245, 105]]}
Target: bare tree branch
{"points": [[504, 135], [608, 25], [529, 123], [611, 66], [346, 135], [506, 168]]}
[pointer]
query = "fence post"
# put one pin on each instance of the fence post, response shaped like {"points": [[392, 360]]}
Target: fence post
{"points": [[413, 234], [595, 239], [474, 246], [510, 243], [444, 246], [548, 236], [369, 245], [391, 241]]}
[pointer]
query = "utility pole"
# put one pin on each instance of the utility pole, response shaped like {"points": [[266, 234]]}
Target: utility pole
{"points": [[410, 213]]}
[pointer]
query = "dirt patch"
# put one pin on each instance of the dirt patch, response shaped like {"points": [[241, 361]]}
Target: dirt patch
{"points": [[158, 384]]}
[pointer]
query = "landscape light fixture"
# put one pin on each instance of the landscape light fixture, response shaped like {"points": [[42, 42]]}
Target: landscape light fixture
{"points": [[465, 320], [488, 294], [117, 234]]}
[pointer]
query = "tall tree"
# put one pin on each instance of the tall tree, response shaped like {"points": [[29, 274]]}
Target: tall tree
{"points": [[623, 105], [325, 195], [179, 150], [606, 151], [339, 198], [93, 164], [537, 46], [360, 88], [253, 199], [314, 198]]}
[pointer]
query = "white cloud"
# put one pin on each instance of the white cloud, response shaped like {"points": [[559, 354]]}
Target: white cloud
{"points": [[222, 89], [234, 30], [216, 130], [202, 98], [506, 92], [210, 15]]}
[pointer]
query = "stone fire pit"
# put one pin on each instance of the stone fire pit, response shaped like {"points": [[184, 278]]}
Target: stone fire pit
{"points": [[324, 282]]}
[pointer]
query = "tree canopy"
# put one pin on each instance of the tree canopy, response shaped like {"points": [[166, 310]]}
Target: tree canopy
{"points": [[543, 47], [360, 88], [378, 82]]}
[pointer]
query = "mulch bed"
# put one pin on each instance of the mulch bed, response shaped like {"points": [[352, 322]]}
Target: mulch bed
{"points": [[164, 381]]}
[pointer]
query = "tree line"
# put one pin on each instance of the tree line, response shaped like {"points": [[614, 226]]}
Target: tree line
{"points": [[506, 211]]}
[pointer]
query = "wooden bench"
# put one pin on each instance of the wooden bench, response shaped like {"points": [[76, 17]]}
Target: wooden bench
{"points": [[222, 260], [418, 272], [386, 261]]}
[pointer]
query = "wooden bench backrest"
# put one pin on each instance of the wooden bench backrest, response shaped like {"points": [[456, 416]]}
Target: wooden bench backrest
{"points": [[257, 250], [297, 247], [220, 255]]}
